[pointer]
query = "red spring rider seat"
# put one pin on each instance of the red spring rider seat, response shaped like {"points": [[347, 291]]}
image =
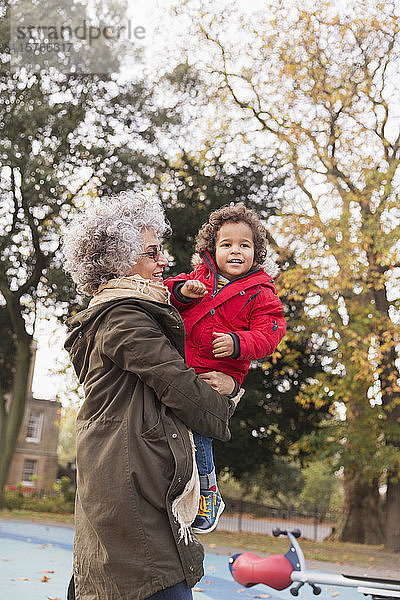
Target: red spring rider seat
{"points": [[248, 569]]}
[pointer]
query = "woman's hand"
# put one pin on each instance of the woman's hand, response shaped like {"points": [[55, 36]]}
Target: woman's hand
{"points": [[193, 289], [222, 383]]}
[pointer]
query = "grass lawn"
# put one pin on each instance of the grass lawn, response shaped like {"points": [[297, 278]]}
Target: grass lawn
{"points": [[333, 552], [37, 517]]}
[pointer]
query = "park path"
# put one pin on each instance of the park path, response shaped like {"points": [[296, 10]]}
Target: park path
{"points": [[35, 563]]}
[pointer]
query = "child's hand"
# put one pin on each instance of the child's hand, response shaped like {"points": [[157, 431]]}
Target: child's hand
{"points": [[222, 345], [193, 289]]}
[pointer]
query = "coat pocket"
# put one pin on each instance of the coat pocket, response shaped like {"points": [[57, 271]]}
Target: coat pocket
{"points": [[152, 465], [155, 432]]}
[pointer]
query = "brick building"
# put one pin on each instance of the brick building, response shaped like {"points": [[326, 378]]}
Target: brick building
{"points": [[36, 450]]}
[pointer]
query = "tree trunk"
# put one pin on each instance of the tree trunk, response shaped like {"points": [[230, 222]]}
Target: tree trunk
{"points": [[392, 517], [392, 520], [361, 518], [12, 418], [391, 403]]}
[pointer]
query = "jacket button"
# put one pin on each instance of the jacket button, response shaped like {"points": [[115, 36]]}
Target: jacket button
{"points": [[174, 435], [212, 311], [242, 292], [179, 479], [76, 571], [80, 334], [190, 567]]}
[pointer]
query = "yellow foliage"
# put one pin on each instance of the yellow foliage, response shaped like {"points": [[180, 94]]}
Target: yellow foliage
{"points": [[320, 94]]}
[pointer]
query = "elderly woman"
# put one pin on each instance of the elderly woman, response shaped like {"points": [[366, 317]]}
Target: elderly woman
{"points": [[137, 483]]}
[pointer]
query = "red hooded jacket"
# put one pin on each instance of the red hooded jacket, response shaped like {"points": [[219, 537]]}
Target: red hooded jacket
{"points": [[246, 306]]}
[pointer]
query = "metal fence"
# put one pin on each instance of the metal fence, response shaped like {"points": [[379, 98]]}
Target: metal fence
{"points": [[250, 517], [247, 517]]}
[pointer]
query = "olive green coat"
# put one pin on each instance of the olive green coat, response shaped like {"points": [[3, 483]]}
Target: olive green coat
{"points": [[133, 449]]}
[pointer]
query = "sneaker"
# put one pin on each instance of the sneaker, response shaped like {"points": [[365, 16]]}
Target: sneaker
{"points": [[210, 509]]}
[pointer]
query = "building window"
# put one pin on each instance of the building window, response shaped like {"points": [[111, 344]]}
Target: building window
{"points": [[29, 471], [34, 427]]}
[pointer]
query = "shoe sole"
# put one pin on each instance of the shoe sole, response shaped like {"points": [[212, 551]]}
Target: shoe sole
{"points": [[213, 526]]}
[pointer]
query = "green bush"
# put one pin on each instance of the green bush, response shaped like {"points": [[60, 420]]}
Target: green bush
{"points": [[67, 492], [13, 500], [56, 503]]}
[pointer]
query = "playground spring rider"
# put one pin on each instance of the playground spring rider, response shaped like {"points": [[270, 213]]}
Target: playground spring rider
{"points": [[280, 571]]}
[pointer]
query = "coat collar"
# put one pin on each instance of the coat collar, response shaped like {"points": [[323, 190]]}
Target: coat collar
{"points": [[209, 263]]}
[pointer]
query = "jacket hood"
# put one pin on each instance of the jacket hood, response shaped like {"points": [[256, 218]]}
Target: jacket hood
{"points": [[82, 328], [269, 265]]}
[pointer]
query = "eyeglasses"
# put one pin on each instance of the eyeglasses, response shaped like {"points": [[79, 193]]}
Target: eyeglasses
{"points": [[154, 253]]}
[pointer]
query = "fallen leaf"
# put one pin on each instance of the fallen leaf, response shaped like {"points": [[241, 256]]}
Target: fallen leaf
{"points": [[371, 559], [24, 578], [48, 571], [212, 545], [57, 598], [241, 590], [45, 579], [211, 568], [263, 596], [195, 589], [335, 594], [208, 582]]}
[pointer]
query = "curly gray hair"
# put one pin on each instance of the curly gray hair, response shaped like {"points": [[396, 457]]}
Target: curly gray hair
{"points": [[105, 240]]}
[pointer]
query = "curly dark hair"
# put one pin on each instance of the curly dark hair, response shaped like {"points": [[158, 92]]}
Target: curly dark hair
{"points": [[207, 236]]}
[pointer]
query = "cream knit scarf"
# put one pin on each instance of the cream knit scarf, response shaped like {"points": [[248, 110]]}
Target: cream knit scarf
{"points": [[131, 286], [185, 506]]}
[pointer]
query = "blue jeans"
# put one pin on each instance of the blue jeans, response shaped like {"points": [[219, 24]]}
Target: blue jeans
{"points": [[204, 454], [180, 591]]}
